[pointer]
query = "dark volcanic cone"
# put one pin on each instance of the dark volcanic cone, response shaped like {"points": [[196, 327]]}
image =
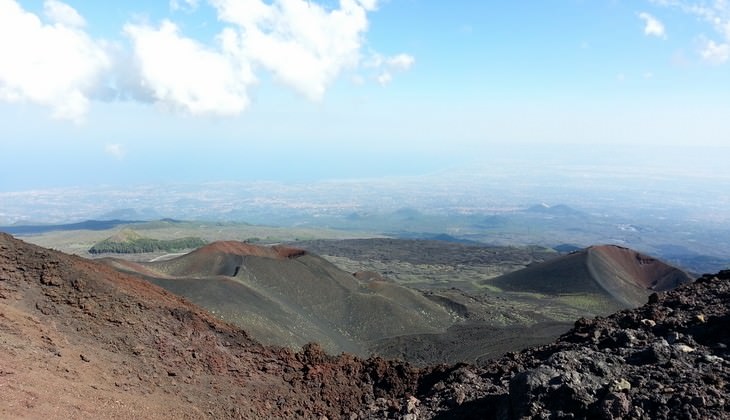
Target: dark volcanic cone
{"points": [[289, 297], [620, 275]]}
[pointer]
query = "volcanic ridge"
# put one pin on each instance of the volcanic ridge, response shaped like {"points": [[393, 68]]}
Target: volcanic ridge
{"points": [[621, 275], [284, 295], [80, 339]]}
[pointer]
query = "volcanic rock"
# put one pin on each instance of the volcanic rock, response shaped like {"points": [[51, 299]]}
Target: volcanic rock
{"points": [[134, 334]]}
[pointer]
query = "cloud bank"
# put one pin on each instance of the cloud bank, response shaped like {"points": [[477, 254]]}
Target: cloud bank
{"points": [[52, 61]]}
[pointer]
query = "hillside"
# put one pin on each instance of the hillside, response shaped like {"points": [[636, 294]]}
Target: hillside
{"points": [[612, 276], [531, 306], [128, 241], [427, 264], [80, 340], [288, 297]]}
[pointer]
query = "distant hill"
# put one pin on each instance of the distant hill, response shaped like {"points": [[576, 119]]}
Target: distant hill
{"points": [[127, 241], [619, 276], [85, 225], [131, 214], [566, 248], [443, 237], [556, 210]]}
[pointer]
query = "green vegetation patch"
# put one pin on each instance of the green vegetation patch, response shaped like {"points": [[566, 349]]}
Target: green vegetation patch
{"points": [[129, 242], [592, 303], [487, 287]]}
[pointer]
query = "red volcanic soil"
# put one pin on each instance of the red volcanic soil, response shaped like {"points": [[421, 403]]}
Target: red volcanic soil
{"points": [[643, 270], [622, 275], [80, 340], [629, 276], [243, 249], [217, 258]]}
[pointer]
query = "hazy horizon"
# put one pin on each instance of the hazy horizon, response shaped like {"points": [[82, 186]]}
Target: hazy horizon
{"points": [[289, 90], [679, 163]]}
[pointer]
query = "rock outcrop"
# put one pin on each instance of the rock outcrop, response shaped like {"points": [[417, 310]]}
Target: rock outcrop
{"points": [[666, 359]]}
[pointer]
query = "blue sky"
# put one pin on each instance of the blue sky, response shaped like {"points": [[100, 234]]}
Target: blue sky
{"points": [[158, 91]]}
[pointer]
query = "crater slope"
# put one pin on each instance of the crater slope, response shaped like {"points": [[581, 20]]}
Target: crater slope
{"points": [[615, 277], [79, 339], [287, 296]]}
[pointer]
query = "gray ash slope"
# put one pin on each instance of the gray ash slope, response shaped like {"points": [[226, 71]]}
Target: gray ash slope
{"points": [[666, 359], [287, 296]]}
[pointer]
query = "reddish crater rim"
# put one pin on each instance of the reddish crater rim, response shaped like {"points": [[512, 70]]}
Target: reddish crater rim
{"points": [[617, 251], [245, 249], [648, 272]]}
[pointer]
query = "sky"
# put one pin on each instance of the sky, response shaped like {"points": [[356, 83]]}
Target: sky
{"points": [[135, 92]]}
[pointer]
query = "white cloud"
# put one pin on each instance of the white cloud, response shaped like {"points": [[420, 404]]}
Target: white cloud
{"points": [[184, 74], [652, 25], [717, 15], [303, 44], [401, 62], [54, 65], [63, 14], [184, 5], [384, 78], [714, 52], [386, 66], [116, 150]]}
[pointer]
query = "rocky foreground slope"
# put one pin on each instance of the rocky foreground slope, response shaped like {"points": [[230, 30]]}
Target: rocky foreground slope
{"points": [[80, 340]]}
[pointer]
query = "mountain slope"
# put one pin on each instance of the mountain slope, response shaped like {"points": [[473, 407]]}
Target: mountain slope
{"points": [[289, 297], [80, 340], [128, 241], [286, 296], [667, 359], [619, 277]]}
